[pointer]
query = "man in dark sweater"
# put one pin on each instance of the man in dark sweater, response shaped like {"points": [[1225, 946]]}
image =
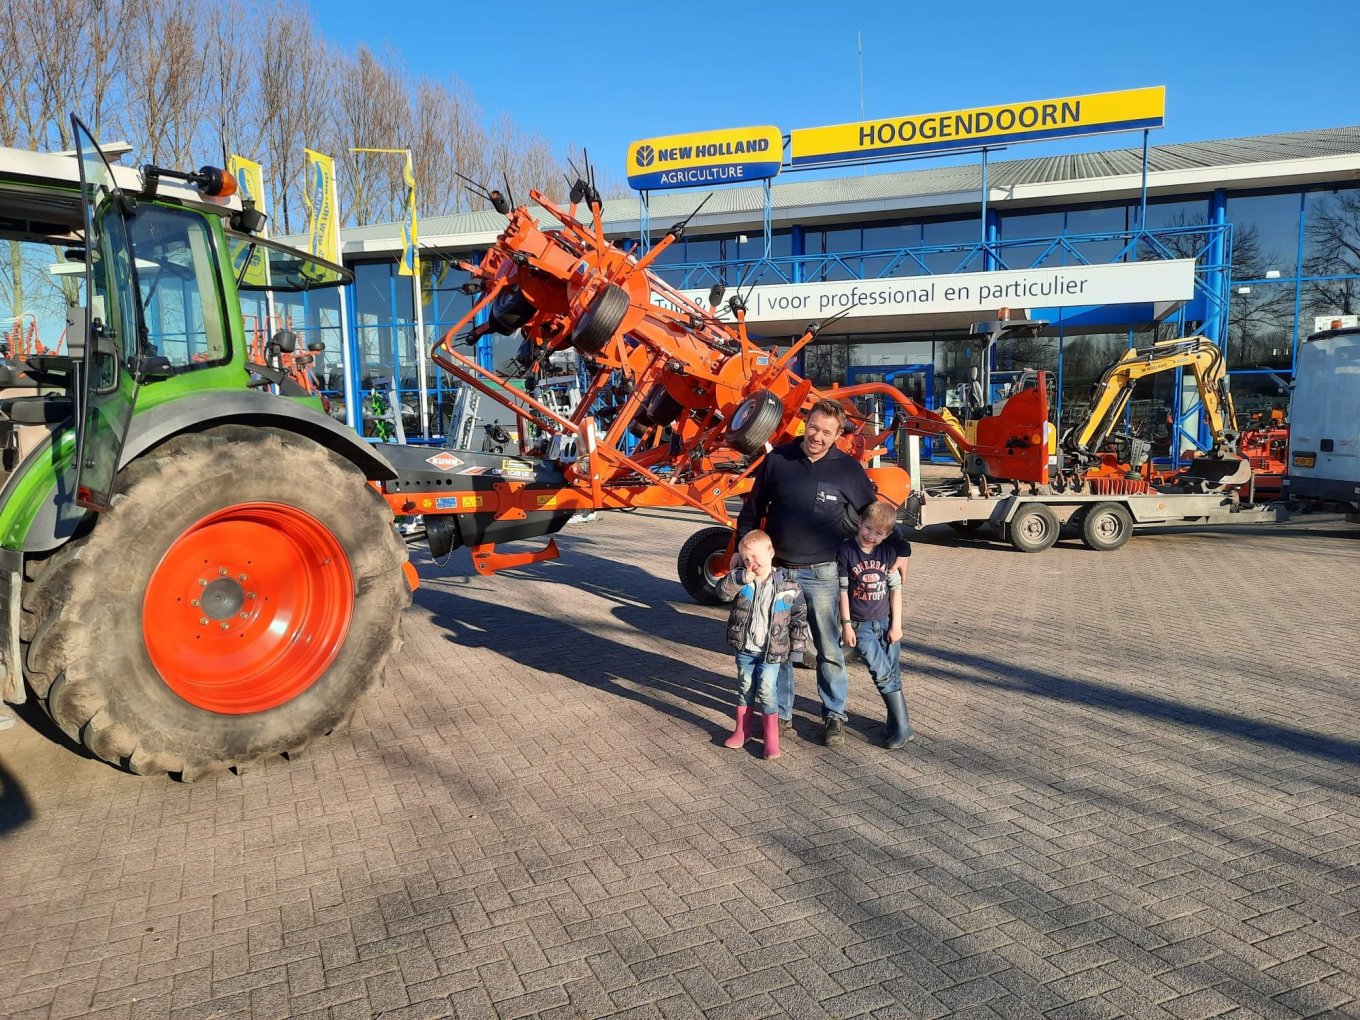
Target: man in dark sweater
{"points": [[801, 491]]}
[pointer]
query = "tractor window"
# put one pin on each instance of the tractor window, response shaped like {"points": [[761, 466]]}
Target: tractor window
{"points": [[181, 304]]}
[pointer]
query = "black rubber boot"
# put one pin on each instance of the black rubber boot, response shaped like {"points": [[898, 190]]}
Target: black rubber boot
{"points": [[832, 734], [898, 726]]}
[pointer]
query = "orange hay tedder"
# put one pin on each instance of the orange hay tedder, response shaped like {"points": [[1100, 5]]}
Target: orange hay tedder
{"points": [[696, 401]]}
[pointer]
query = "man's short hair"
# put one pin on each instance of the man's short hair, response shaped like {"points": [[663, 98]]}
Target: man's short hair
{"points": [[756, 537], [830, 407], [880, 515]]}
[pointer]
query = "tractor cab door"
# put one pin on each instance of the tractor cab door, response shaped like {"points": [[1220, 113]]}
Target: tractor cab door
{"points": [[113, 327]]}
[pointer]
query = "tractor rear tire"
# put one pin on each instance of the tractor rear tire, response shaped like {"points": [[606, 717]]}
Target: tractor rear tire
{"points": [[754, 421], [601, 319], [1106, 527], [241, 593], [697, 560]]}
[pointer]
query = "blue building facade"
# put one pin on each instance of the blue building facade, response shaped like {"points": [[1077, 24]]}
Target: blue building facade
{"points": [[1272, 224]]}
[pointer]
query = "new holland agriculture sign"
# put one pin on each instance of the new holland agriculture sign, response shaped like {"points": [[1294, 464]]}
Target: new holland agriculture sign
{"points": [[705, 158], [984, 125]]}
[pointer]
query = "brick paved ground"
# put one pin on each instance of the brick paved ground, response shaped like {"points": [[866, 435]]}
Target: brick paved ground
{"points": [[1135, 792]]}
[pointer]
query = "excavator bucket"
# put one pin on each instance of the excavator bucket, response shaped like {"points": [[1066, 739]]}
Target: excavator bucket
{"points": [[1205, 473]]}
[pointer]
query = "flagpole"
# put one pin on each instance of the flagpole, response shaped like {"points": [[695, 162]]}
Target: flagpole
{"points": [[422, 379]]}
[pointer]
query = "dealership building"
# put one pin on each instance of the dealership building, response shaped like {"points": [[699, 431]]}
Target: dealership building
{"points": [[1253, 242]]}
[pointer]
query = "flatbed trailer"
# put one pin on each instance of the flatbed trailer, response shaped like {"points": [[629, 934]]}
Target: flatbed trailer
{"points": [[1033, 521]]}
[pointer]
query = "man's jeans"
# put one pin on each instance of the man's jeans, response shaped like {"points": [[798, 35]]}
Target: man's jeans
{"points": [[822, 591], [881, 656], [756, 681]]}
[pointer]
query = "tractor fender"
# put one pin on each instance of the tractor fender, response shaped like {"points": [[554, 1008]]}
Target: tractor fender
{"points": [[58, 519]]}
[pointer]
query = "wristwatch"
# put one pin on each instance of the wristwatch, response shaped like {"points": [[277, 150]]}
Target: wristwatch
{"points": [[846, 622]]}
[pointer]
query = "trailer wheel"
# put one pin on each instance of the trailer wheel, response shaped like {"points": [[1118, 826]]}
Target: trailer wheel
{"points": [[241, 593], [1034, 529], [754, 422], [1106, 527], [702, 562], [601, 319]]}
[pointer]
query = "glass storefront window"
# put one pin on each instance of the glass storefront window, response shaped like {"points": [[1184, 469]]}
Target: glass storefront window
{"points": [[1325, 300], [373, 290], [825, 362], [1084, 360], [1261, 326], [1112, 219], [955, 231], [1265, 235], [1256, 394], [1331, 233], [1182, 216]]}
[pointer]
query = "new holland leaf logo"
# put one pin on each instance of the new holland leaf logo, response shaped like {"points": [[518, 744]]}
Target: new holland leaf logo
{"points": [[645, 155], [444, 461]]}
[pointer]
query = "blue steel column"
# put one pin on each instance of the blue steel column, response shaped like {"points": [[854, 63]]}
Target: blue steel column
{"points": [[355, 398], [485, 358], [993, 234], [797, 249], [1218, 303]]}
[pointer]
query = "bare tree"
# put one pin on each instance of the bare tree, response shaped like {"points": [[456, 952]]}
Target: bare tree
{"points": [[163, 66], [293, 88], [229, 67], [371, 110]]}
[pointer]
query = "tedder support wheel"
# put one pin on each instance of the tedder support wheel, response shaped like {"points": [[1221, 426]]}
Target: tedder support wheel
{"points": [[601, 319], [1106, 527], [702, 561], [1034, 528], [243, 590], [754, 422]]}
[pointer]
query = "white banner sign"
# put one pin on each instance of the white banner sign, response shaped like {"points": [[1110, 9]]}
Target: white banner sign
{"points": [[1058, 287]]}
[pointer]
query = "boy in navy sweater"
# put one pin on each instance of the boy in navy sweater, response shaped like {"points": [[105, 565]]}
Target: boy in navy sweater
{"points": [[871, 610]]}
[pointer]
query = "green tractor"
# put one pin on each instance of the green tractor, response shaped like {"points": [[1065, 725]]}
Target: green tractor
{"points": [[195, 571]]}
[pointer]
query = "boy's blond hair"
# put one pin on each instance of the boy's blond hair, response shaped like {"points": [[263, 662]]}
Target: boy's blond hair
{"points": [[880, 515], [756, 537]]}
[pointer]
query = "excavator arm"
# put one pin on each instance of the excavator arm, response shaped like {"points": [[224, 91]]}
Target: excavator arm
{"points": [[1114, 389]]}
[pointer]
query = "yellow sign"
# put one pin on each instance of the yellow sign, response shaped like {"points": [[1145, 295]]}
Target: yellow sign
{"points": [[250, 176], [984, 125], [471, 501], [545, 501], [323, 229], [727, 156]]}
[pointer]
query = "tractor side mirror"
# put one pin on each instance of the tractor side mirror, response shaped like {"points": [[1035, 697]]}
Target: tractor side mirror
{"points": [[284, 341], [316, 346], [716, 294]]}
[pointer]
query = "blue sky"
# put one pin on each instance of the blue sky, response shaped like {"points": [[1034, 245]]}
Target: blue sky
{"points": [[604, 74]]}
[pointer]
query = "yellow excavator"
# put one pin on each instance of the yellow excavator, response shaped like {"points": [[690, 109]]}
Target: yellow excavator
{"points": [[1082, 447]]}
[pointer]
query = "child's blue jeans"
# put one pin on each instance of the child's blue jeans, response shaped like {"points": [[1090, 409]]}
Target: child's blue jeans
{"points": [[881, 655], [755, 681]]}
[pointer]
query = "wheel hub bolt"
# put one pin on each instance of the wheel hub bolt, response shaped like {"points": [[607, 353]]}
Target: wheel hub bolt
{"points": [[224, 626], [203, 620], [241, 577], [193, 602], [222, 571]]}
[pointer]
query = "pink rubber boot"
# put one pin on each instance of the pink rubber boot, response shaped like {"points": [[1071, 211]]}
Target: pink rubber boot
{"points": [[741, 734], [772, 735]]}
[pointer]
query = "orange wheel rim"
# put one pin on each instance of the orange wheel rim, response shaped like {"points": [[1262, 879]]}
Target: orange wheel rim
{"points": [[248, 608]]}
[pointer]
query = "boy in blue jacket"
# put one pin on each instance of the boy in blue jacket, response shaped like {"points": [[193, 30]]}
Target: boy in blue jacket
{"points": [[767, 623]]}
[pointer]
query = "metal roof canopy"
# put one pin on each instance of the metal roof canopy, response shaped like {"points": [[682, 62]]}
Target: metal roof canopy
{"points": [[1326, 155]]}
